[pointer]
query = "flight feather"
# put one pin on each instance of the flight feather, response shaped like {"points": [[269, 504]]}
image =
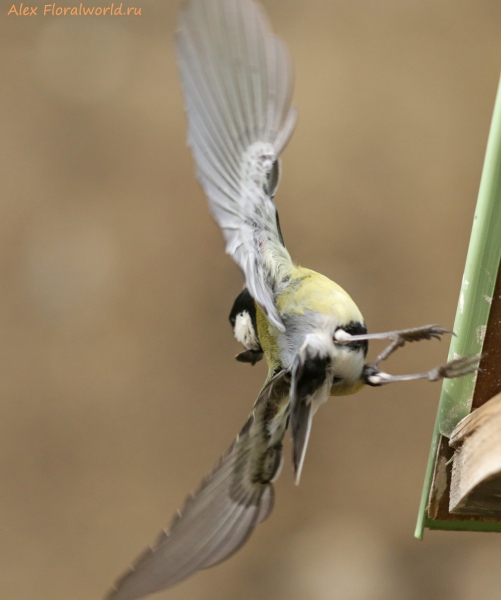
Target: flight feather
{"points": [[238, 81], [220, 516]]}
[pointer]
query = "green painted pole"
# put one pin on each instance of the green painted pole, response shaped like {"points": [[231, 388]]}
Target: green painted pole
{"points": [[477, 288]]}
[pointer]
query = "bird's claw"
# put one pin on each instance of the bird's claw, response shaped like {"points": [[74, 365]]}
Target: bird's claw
{"points": [[455, 368], [416, 334]]}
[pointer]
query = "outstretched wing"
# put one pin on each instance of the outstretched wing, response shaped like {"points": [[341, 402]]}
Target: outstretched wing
{"points": [[219, 518], [237, 80]]}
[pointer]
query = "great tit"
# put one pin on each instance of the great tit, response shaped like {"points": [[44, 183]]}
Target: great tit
{"points": [[237, 80]]}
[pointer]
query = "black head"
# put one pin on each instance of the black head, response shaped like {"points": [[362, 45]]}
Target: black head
{"points": [[244, 302], [245, 305]]}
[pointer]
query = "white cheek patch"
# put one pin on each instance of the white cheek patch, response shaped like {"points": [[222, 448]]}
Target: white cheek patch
{"points": [[244, 331]]}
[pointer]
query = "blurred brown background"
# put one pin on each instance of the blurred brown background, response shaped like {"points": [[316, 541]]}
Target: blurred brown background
{"points": [[118, 383]]}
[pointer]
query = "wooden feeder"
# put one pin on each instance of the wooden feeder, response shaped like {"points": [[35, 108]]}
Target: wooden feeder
{"points": [[462, 488]]}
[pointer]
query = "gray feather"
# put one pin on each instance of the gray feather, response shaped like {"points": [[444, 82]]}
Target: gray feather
{"points": [[311, 382], [301, 420], [219, 518], [238, 81]]}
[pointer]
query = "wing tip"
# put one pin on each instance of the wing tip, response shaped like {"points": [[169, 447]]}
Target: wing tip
{"points": [[115, 593]]}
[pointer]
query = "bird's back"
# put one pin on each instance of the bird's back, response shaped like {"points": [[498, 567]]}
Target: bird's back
{"points": [[312, 291], [309, 301]]}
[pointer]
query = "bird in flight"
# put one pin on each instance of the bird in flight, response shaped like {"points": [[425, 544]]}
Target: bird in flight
{"points": [[237, 80]]}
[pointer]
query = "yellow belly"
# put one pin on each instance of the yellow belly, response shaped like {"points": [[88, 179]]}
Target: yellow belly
{"points": [[345, 390]]}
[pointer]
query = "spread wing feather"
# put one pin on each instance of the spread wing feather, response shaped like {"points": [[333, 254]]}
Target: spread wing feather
{"points": [[238, 81], [219, 518]]}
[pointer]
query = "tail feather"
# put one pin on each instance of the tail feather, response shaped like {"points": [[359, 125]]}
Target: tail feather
{"points": [[301, 419], [311, 381]]}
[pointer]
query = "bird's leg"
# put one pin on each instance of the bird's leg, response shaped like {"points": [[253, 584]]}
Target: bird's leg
{"points": [[399, 338], [372, 375], [458, 367]]}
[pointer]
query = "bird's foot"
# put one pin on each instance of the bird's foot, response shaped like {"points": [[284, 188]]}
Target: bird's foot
{"points": [[416, 334], [455, 368]]}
